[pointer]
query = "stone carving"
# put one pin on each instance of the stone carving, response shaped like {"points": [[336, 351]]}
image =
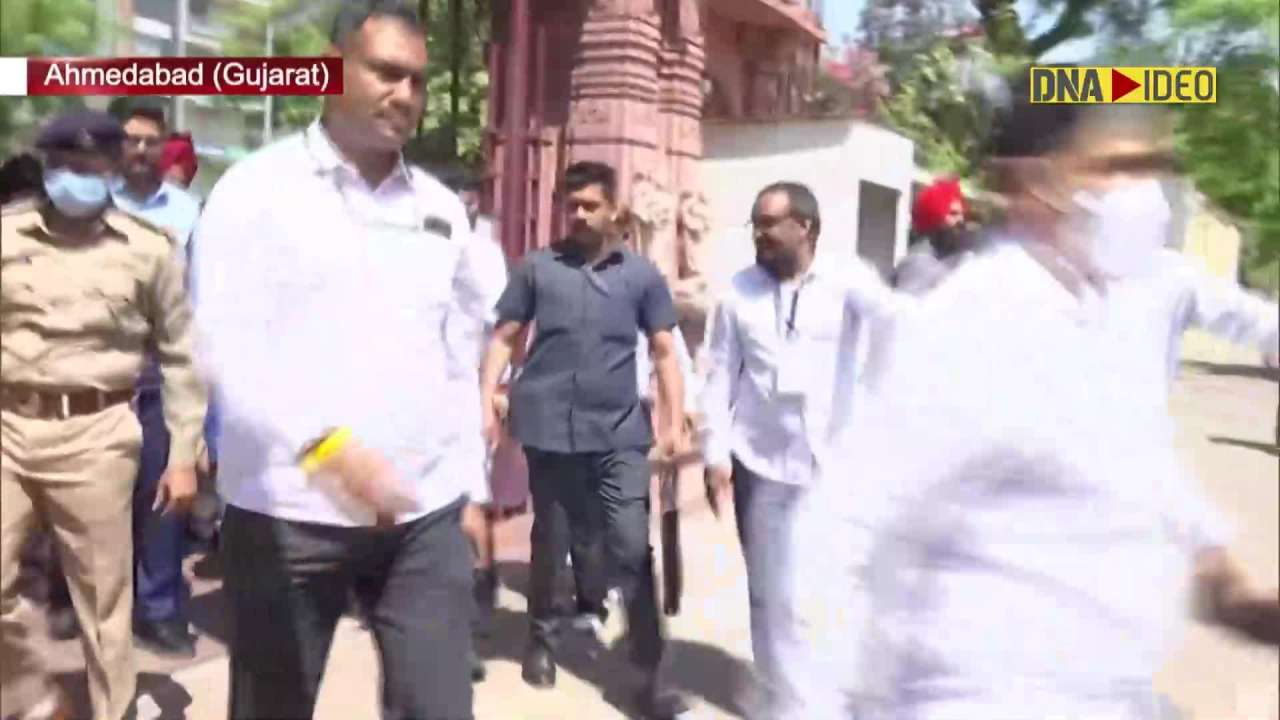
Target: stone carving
{"points": [[653, 215], [591, 112], [690, 290]]}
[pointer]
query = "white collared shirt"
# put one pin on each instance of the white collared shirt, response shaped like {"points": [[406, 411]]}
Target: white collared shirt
{"points": [[325, 302], [169, 207], [784, 361], [1000, 483], [645, 369], [1151, 310]]}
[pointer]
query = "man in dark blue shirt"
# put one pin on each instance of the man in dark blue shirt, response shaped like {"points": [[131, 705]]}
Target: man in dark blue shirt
{"points": [[576, 410]]}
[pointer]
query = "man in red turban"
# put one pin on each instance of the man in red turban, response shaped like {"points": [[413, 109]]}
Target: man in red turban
{"points": [[178, 160], [942, 241]]}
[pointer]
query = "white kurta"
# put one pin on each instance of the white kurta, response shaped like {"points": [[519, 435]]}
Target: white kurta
{"points": [[1017, 527]]}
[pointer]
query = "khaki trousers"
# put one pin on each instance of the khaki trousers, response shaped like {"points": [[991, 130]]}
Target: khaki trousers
{"points": [[77, 476]]}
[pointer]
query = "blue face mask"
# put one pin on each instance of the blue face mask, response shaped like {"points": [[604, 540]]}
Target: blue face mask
{"points": [[76, 195]]}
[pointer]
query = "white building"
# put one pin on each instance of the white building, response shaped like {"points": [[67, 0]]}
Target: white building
{"points": [[860, 173]]}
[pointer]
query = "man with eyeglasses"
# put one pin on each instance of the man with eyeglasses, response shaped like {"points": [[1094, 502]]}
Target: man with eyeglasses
{"points": [[144, 190], [161, 623], [786, 339], [88, 293]]}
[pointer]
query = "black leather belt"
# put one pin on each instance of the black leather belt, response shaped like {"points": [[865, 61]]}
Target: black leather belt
{"points": [[45, 404]]}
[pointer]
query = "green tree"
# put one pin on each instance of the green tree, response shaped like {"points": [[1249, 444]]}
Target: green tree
{"points": [[452, 127], [34, 28], [1232, 147], [294, 32], [938, 69], [1009, 34]]}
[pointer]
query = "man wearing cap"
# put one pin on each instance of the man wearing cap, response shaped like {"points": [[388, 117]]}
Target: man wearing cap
{"points": [[86, 290], [938, 220]]}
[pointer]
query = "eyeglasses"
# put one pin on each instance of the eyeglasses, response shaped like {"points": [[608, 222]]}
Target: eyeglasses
{"points": [[145, 141]]}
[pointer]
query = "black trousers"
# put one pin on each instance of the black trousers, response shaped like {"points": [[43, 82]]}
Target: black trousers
{"points": [[288, 583], [605, 498]]}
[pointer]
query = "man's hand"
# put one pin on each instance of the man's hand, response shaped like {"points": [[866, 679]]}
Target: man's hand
{"points": [[665, 446], [1226, 598], [494, 419], [474, 520], [719, 480], [202, 461], [371, 478], [177, 491]]}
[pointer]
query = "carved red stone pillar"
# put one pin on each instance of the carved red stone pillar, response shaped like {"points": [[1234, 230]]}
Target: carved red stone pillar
{"points": [[680, 73], [614, 89]]}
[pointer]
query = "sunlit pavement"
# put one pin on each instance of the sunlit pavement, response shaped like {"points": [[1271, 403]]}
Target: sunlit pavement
{"points": [[1227, 418]]}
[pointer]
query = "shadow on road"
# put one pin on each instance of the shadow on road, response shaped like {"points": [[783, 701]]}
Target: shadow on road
{"points": [[1257, 372], [702, 670], [170, 697], [1272, 450], [208, 612]]}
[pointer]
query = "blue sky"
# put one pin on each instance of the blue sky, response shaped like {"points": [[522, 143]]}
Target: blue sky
{"points": [[841, 18]]}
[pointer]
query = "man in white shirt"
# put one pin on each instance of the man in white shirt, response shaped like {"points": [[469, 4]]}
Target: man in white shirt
{"points": [[1023, 540], [478, 520], [333, 279], [784, 353]]}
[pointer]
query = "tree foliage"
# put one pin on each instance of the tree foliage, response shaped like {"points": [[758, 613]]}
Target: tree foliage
{"points": [[1232, 148], [41, 28], [443, 137], [247, 26], [939, 70], [455, 44]]}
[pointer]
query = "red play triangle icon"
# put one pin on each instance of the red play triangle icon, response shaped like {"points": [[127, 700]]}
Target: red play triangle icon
{"points": [[1121, 85]]}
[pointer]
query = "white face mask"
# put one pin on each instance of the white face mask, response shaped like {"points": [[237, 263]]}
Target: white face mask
{"points": [[1121, 229]]}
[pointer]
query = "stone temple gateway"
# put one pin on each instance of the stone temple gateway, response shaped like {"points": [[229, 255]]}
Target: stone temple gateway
{"points": [[630, 82]]}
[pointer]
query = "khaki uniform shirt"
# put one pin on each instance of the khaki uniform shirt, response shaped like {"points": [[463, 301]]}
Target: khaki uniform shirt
{"points": [[81, 313]]}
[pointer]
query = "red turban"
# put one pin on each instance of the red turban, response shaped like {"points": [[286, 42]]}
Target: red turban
{"points": [[933, 204], [179, 151]]}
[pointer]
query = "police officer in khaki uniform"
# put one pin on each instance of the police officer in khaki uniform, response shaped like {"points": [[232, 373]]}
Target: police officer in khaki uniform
{"points": [[86, 289]]}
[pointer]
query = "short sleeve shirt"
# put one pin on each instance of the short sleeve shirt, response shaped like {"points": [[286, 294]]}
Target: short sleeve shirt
{"points": [[577, 390]]}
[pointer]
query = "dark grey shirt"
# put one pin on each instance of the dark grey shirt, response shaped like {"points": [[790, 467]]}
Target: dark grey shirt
{"points": [[577, 390]]}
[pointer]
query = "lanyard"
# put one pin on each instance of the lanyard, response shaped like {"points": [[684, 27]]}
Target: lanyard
{"points": [[788, 327]]}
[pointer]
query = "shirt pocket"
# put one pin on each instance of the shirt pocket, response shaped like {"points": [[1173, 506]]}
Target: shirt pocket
{"points": [[560, 302], [111, 299], [619, 314], [26, 287], [819, 317]]}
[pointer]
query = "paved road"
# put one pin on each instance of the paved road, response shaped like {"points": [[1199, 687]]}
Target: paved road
{"points": [[1227, 430]]}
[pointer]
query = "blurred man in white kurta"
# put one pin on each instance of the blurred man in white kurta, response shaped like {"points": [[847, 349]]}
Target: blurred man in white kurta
{"points": [[1022, 539]]}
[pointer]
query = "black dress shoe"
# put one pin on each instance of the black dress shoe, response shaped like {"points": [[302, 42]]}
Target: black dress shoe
{"points": [[478, 671], [659, 704], [166, 637], [484, 590], [63, 623], [539, 667]]}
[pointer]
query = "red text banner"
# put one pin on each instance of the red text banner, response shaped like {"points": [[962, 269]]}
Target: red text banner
{"points": [[185, 76]]}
